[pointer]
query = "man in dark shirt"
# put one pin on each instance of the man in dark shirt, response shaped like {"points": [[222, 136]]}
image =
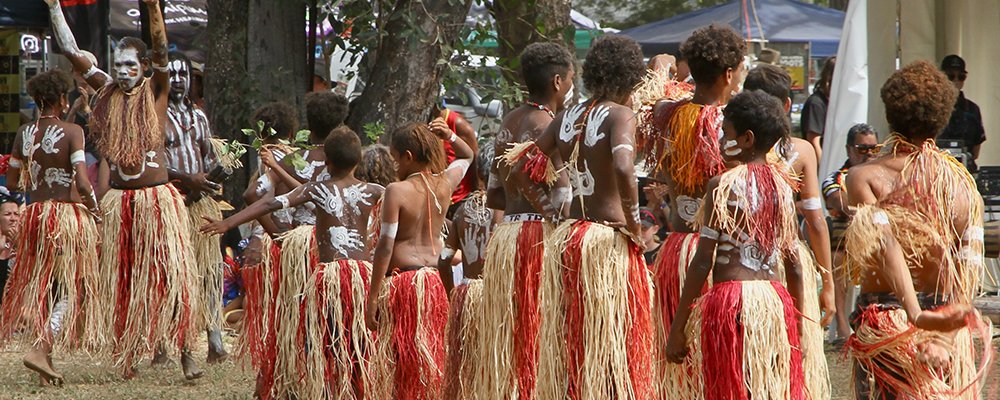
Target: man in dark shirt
{"points": [[966, 121]]}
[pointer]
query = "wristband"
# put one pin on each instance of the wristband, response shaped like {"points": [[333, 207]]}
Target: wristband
{"points": [[91, 72], [453, 137]]}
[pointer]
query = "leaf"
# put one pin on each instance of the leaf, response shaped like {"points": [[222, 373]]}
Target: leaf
{"points": [[296, 161], [260, 126], [249, 132], [257, 143], [271, 132], [302, 137]]}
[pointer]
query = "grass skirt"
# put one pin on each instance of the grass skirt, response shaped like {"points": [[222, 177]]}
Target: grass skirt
{"points": [[208, 257], [333, 332], [148, 273], [56, 263], [463, 335], [409, 361], [749, 343], [885, 350], [279, 373], [596, 326], [669, 271], [817, 373], [508, 342], [260, 279]]}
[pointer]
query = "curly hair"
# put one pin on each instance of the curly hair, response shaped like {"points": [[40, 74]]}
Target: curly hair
{"points": [[770, 79], [758, 111], [325, 111], [918, 100], [48, 87], [613, 67], [711, 50], [542, 61], [342, 148], [418, 139], [376, 165], [278, 116]]}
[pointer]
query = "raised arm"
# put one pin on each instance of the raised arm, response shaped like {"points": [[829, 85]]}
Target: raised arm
{"points": [[268, 204], [811, 208], [64, 37], [463, 153], [78, 159], [697, 273], [496, 195], [622, 140], [158, 35], [383, 249]]}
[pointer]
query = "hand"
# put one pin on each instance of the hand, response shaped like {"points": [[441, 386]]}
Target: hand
{"points": [[441, 129], [661, 61], [943, 319], [934, 354], [827, 304], [214, 227], [267, 158], [51, 2], [199, 183], [370, 321], [677, 348], [82, 103]]}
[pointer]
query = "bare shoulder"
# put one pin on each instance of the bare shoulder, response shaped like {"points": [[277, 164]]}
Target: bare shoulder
{"points": [[375, 189]]}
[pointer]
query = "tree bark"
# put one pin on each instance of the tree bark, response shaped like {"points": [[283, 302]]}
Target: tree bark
{"points": [[277, 50], [520, 23], [227, 82], [405, 76]]}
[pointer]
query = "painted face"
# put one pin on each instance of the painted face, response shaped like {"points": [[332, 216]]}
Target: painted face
{"points": [[128, 69], [730, 143], [180, 79], [567, 89]]}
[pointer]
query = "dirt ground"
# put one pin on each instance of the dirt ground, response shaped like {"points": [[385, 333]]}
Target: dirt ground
{"points": [[91, 380]]}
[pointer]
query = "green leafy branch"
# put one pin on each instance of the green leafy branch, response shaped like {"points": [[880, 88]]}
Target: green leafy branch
{"points": [[300, 141]]}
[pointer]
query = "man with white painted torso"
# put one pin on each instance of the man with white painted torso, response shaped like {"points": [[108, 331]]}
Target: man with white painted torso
{"points": [[190, 160], [148, 272]]}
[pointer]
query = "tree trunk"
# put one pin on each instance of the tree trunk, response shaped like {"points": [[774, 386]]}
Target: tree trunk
{"points": [[520, 23], [277, 50], [405, 76], [227, 83]]}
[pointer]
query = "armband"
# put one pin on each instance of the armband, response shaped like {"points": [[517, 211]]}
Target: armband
{"points": [[14, 163], [77, 157], [880, 218], [973, 234], [447, 253], [283, 199], [812, 204], [709, 233], [160, 68], [389, 230], [623, 146], [91, 72]]}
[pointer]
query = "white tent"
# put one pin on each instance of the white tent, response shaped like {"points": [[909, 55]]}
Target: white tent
{"points": [[927, 30]]}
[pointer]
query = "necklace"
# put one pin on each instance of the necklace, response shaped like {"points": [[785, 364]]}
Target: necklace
{"points": [[541, 107], [47, 116]]}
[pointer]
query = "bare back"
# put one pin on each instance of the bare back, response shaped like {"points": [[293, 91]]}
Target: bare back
{"points": [[44, 149], [596, 133], [342, 211], [523, 124], [421, 217]]}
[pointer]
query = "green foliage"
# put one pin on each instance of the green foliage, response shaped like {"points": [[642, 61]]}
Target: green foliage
{"points": [[260, 133], [374, 130]]}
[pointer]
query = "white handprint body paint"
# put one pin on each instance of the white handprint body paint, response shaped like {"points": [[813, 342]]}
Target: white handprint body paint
{"points": [[356, 195], [582, 181], [329, 201], [52, 136], [36, 169], [28, 145], [344, 239], [593, 134], [567, 130], [57, 176]]}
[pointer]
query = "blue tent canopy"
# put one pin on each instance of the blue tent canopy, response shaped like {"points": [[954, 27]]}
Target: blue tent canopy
{"points": [[780, 21]]}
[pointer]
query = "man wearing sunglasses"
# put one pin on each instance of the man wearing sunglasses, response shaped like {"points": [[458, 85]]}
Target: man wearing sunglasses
{"points": [[966, 121]]}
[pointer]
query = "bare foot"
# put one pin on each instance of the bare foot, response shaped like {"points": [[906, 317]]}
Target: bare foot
{"points": [[190, 368], [162, 360], [36, 361], [215, 357], [130, 374]]}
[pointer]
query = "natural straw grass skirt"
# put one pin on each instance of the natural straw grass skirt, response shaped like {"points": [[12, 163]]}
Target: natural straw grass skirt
{"points": [[148, 273], [51, 295], [409, 361], [508, 342], [463, 335], [332, 331], [669, 271], [817, 373], [749, 344], [208, 260], [596, 335], [255, 343]]}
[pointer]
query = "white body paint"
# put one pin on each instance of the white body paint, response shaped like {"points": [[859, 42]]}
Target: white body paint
{"points": [[28, 145], [52, 135], [687, 207], [567, 130], [57, 176], [595, 119], [729, 148], [78, 157], [329, 201], [344, 240], [127, 74], [389, 229], [583, 181]]}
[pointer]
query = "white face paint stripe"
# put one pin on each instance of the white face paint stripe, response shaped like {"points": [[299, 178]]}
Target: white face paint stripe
{"points": [[811, 204], [389, 229], [78, 157], [729, 150]]}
